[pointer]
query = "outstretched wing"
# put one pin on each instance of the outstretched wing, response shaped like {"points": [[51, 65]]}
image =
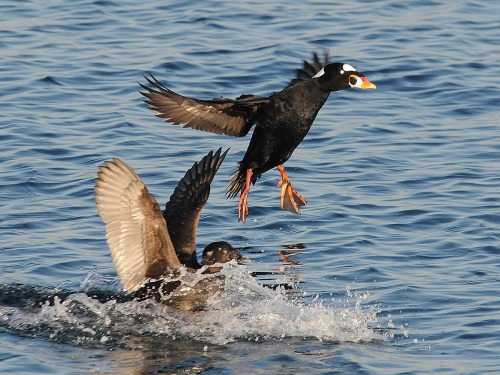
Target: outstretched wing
{"points": [[182, 212], [220, 116], [135, 228], [310, 68]]}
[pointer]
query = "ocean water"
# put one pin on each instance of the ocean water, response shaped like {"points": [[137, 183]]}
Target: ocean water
{"points": [[393, 266]]}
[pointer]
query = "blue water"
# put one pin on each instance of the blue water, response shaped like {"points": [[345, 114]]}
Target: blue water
{"points": [[395, 259]]}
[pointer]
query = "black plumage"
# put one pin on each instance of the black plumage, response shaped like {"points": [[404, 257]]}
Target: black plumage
{"points": [[282, 121]]}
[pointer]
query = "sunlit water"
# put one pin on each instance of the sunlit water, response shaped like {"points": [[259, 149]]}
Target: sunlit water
{"points": [[393, 265]]}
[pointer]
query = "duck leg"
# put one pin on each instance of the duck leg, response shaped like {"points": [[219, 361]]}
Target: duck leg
{"points": [[243, 202], [290, 199]]}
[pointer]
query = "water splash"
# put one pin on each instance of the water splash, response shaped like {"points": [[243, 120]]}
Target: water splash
{"points": [[245, 311]]}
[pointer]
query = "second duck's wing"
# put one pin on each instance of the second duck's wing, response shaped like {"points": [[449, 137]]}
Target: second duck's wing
{"points": [[220, 116], [135, 228], [182, 212]]}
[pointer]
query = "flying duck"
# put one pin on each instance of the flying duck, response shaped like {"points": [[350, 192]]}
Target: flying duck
{"points": [[151, 249], [282, 121]]}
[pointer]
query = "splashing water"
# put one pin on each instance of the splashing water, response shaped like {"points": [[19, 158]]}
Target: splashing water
{"points": [[245, 311]]}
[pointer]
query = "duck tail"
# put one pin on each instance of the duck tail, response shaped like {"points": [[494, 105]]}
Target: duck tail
{"points": [[237, 183]]}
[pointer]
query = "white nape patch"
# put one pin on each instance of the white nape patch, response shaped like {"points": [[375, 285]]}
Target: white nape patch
{"points": [[348, 68], [320, 73]]}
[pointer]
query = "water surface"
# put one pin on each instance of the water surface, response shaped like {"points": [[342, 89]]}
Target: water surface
{"points": [[395, 258]]}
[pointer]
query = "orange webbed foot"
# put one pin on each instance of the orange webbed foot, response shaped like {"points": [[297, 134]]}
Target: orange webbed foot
{"points": [[290, 200], [243, 203], [243, 208]]}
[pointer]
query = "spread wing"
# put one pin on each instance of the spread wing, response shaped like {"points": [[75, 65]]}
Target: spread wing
{"points": [[182, 212], [220, 116], [310, 69], [135, 228]]}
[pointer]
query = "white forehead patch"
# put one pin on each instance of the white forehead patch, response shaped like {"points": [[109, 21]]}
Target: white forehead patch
{"points": [[320, 73], [348, 68]]}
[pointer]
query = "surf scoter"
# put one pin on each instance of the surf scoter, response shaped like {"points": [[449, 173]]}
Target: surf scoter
{"points": [[150, 248], [282, 121]]}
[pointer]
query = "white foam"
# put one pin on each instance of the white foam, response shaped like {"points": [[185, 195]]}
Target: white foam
{"points": [[244, 311]]}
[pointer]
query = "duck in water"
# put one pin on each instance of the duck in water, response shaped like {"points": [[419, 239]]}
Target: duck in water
{"points": [[154, 252]]}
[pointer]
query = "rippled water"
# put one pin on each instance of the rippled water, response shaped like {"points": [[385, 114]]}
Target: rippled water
{"points": [[394, 259]]}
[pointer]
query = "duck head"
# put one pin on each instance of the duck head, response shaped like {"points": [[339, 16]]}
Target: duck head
{"points": [[221, 252], [339, 76]]}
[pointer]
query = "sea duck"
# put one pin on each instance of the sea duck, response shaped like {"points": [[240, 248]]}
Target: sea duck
{"points": [[151, 249], [282, 121]]}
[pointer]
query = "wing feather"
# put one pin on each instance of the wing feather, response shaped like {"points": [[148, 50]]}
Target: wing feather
{"points": [[311, 68], [183, 210], [220, 116], [136, 231]]}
